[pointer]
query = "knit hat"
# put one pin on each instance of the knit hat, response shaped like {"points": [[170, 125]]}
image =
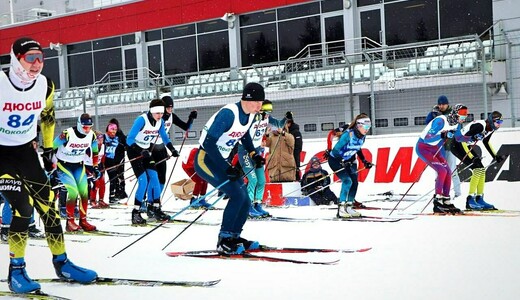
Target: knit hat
{"points": [[25, 44], [253, 92], [156, 106], [168, 101], [442, 100]]}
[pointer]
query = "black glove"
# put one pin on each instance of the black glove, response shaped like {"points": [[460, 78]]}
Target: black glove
{"points": [[447, 134], [172, 149], [47, 159], [326, 155], [259, 160], [233, 173], [97, 173], [288, 115], [500, 158], [193, 115], [368, 164], [146, 154], [345, 163]]}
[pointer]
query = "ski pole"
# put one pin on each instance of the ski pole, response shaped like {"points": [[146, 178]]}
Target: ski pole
{"points": [[193, 222]]}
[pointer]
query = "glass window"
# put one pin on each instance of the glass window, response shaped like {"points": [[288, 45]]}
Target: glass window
{"points": [[79, 48], [334, 32], [213, 51], [367, 2], [411, 21], [180, 56], [178, 31], [212, 25], [107, 43], [154, 58], [309, 127], [5, 59], [419, 121], [80, 69], [294, 35], [152, 35], [48, 53], [327, 126], [401, 122], [258, 44], [258, 18], [381, 123], [371, 24], [128, 39], [51, 70], [107, 61], [331, 5], [298, 11], [478, 17]]}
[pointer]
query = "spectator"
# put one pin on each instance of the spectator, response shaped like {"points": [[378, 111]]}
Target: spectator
{"points": [[316, 183], [281, 165], [115, 141], [294, 129]]}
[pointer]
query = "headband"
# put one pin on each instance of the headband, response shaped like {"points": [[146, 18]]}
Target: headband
{"points": [[157, 109]]}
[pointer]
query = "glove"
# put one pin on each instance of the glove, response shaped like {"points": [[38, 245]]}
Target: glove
{"points": [[47, 159], [447, 134], [193, 115], [233, 173], [368, 164], [172, 149], [288, 115], [259, 160], [326, 155], [345, 163], [97, 173], [146, 154], [500, 158]]}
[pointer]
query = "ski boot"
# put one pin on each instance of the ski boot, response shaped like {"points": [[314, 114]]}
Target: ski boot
{"points": [[68, 271], [35, 233], [485, 206], [358, 205], [4, 233], [253, 213], [452, 208], [18, 280], [471, 204], [260, 209], [438, 205], [155, 212], [93, 204], [136, 218], [63, 212], [229, 246], [347, 211], [248, 245], [102, 204], [86, 226], [351, 211]]}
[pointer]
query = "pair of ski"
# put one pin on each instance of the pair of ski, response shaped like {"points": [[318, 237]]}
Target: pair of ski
{"points": [[253, 254], [40, 295], [378, 219]]}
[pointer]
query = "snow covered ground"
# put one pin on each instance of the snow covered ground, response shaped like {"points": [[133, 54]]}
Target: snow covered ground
{"points": [[425, 258]]}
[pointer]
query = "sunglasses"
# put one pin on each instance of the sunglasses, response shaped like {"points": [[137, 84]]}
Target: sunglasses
{"points": [[499, 121], [366, 126], [85, 127], [462, 117], [32, 57]]}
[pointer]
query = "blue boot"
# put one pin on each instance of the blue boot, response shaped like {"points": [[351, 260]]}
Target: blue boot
{"points": [[204, 204], [18, 280], [471, 204], [68, 271], [253, 213], [260, 209], [485, 206]]}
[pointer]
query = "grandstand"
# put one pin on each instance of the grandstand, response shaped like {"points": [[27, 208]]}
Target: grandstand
{"points": [[333, 62]]}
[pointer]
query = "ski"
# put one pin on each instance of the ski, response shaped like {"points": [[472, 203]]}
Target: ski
{"points": [[249, 256], [100, 233], [132, 282], [365, 219], [471, 214], [37, 295], [271, 249]]}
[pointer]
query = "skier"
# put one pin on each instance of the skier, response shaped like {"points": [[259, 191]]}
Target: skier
{"points": [[159, 152], [443, 108], [473, 132], [71, 147], [219, 136], [430, 149], [115, 141], [201, 185], [342, 160], [256, 178], [144, 131], [24, 95], [96, 186]]}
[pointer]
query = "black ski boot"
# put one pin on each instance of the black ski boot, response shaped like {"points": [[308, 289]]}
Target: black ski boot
{"points": [[136, 218]]}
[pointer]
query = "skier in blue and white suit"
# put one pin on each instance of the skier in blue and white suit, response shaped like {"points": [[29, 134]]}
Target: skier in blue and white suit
{"points": [[139, 140], [219, 136], [256, 178]]}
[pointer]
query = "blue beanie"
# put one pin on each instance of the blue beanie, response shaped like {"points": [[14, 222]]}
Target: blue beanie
{"points": [[442, 100]]}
